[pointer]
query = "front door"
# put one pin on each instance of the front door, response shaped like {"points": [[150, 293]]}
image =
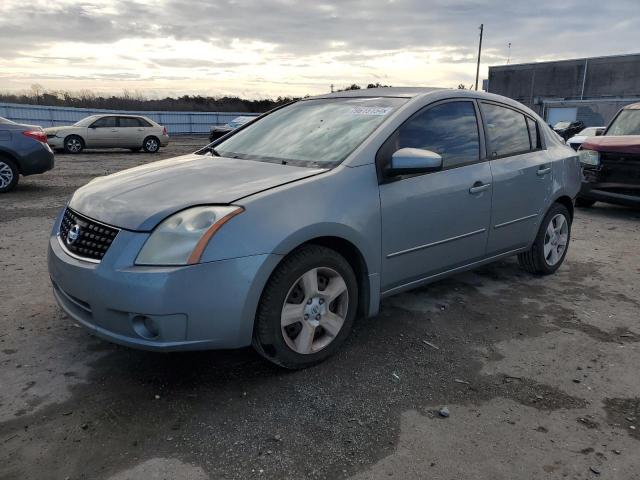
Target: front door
{"points": [[435, 222], [103, 133], [522, 177]]}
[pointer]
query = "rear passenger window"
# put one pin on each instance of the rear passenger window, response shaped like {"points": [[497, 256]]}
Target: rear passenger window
{"points": [[129, 122], [449, 129], [507, 131]]}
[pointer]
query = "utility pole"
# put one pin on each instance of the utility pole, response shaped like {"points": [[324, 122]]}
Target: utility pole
{"points": [[509, 55], [332, 88], [479, 53]]}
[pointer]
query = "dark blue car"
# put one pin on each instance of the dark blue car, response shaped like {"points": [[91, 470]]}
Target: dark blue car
{"points": [[23, 151]]}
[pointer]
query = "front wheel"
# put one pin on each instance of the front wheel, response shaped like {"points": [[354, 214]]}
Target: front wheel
{"points": [[73, 144], [307, 308], [551, 244], [151, 144]]}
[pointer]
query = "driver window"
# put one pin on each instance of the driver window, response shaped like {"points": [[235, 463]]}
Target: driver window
{"points": [[104, 122], [449, 129]]}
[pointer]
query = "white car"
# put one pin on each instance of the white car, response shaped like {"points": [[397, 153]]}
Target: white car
{"points": [[576, 141], [134, 132]]}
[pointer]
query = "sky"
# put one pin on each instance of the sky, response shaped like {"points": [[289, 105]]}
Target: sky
{"points": [[270, 48]]}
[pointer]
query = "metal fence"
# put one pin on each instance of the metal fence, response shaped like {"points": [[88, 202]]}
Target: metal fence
{"points": [[177, 123]]}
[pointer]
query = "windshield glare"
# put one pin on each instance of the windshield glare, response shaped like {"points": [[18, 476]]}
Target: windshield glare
{"points": [[626, 123], [311, 132]]}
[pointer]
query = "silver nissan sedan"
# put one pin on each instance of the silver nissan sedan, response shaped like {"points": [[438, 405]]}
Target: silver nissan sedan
{"points": [[280, 233]]}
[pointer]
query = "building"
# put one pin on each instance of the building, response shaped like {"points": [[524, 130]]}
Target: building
{"points": [[587, 89]]}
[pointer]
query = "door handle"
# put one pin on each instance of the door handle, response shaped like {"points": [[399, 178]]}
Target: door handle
{"points": [[479, 187], [543, 170]]}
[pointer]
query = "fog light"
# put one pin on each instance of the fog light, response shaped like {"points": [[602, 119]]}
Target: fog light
{"points": [[145, 326]]}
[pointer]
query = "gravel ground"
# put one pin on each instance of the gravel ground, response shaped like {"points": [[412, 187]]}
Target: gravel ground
{"points": [[540, 375]]}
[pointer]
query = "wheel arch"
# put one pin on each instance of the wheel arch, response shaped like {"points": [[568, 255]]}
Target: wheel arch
{"points": [[567, 202], [350, 252], [10, 156]]}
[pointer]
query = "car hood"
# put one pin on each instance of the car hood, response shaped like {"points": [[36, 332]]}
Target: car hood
{"points": [[53, 130], [139, 198], [577, 139], [612, 143]]}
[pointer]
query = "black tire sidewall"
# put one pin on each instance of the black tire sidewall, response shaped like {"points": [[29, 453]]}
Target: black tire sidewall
{"points": [[144, 144], [268, 337], [16, 174], [539, 243]]}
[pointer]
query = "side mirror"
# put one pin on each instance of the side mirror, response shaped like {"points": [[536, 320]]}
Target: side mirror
{"points": [[599, 133], [408, 161], [93, 127]]}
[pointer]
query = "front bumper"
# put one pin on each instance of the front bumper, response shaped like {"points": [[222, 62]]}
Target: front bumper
{"points": [[206, 306], [607, 193], [55, 142]]}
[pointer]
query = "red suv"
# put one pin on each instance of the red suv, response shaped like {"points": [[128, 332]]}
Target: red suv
{"points": [[611, 162]]}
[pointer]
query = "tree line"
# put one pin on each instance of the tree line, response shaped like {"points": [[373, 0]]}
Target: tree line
{"points": [[38, 95]]}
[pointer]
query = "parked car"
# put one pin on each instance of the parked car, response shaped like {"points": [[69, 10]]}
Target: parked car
{"points": [[575, 142], [134, 132], [221, 130], [568, 129], [279, 234], [23, 151], [611, 163]]}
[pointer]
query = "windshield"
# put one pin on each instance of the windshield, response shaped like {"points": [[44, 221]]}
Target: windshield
{"points": [[86, 121], [311, 132], [626, 123]]}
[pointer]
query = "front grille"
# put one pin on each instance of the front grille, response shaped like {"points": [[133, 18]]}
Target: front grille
{"points": [[621, 168], [85, 237]]}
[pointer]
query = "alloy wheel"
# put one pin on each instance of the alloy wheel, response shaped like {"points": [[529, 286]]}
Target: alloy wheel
{"points": [[74, 145], [314, 310], [151, 145], [555, 239], [6, 175]]}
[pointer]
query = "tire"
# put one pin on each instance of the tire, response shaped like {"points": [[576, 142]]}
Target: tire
{"points": [[584, 202], [9, 175], [136, 150], [546, 254], [73, 144], [306, 320], [151, 144]]}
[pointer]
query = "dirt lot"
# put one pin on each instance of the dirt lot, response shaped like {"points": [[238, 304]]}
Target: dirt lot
{"points": [[540, 375]]}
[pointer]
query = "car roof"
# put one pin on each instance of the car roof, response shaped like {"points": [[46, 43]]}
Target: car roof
{"points": [[415, 93], [633, 106]]}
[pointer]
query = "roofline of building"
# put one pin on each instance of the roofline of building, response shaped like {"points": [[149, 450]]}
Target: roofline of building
{"points": [[546, 62]]}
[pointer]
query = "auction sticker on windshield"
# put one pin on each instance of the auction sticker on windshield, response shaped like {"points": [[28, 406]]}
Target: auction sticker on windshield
{"points": [[377, 111]]}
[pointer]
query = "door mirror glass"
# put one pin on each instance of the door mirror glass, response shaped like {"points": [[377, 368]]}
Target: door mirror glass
{"points": [[599, 133], [409, 161]]}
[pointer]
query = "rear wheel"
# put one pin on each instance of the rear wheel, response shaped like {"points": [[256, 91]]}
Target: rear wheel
{"points": [[73, 144], [151, 144], [551, 244], [8, 175], [307, 308], [584, 202]]}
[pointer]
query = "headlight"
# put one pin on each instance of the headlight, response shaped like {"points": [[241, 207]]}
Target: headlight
{"points": [[181, 238], [589, 157]]}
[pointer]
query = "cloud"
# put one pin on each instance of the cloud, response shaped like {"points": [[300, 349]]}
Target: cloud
{"points": [[295, 44]]}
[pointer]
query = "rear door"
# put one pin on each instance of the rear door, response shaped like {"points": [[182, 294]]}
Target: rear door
{"points": [[132, 131], [522, 177], [437, 221], [103, 132]]}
